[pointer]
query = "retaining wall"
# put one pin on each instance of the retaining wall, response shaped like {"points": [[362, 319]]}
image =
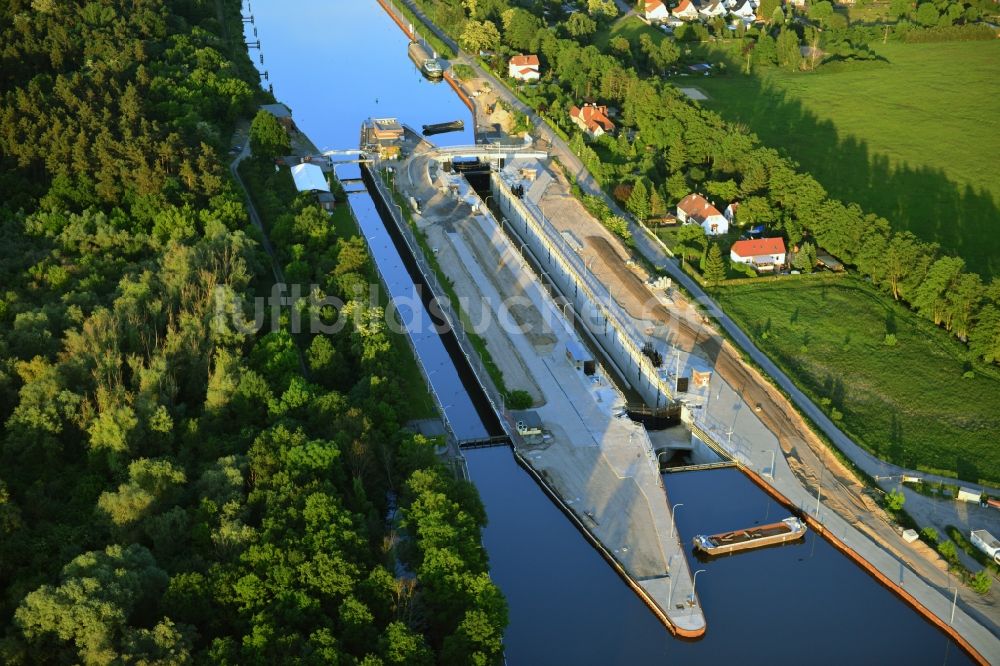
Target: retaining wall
{"points": [[609, 325]]}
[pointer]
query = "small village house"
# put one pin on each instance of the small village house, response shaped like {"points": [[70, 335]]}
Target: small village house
{"points": [[709, 10], [763, 254], [283, 115], [524, 68], [686, 11], [745, 11], [655, 11], [696, 209], [592, 119], [310, 178]]}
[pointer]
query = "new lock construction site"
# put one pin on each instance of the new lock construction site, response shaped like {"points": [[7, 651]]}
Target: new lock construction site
{"points": [[606, 349]]}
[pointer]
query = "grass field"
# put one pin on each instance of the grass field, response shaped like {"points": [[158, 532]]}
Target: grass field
{"points": [[916, 140], [909, 403]]}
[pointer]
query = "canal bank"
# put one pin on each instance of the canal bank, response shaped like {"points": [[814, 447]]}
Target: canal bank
{"points": [[587, 620]]}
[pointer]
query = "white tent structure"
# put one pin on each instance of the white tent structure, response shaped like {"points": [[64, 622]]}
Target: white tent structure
{"points": [[309, 178]]}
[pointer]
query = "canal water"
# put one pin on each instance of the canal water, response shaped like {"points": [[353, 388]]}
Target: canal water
{"points": [[337, 62]]}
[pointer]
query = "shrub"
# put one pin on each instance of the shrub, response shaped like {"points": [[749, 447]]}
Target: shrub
{"points": [[890, 339], [894, 501], [981, 582], [948, 551], [519, 399]]}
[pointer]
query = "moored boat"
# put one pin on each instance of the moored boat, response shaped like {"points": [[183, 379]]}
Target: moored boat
{"points": [[429, 65], [788, 529], [441, 128]]}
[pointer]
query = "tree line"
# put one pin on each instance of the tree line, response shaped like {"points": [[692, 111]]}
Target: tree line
{"points": [[673, 147], [174, 488]]}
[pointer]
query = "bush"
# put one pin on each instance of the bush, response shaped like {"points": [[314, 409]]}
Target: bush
{"points": [[948, 552], [519, 399], [890, 340], [930, 535], [894, 501], [981, 582]]}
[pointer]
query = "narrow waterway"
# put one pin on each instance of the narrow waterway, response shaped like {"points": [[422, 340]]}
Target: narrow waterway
{"points": [[337, 62]]}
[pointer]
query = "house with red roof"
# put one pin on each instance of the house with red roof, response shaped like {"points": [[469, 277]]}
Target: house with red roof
{"points": [[655, 11], [686, 11], [696, 209], [764, 254], [524, 68], [592, 119]]}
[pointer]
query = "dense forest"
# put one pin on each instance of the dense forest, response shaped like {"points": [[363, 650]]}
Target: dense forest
{"points": [[174, 488], [668, 146]]}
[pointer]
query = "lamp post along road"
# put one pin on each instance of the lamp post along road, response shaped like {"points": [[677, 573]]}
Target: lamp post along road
{"points": [[672, 523], [694, 584]]}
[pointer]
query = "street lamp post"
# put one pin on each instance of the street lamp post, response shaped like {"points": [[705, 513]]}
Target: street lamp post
{"points": [[672, 510], [694, 584], [954, 602], [771, 468]]}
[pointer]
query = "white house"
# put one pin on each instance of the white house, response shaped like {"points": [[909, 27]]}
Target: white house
{"points": [[309, 178], [696, 209], [592, 119], [686, 11], [744, 10], [764, 254], [987, 543], [655, 11], [712, 9], [524, 68]]}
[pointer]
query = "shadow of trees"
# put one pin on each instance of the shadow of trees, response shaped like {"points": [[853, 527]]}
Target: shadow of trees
{"points": [[962, 220]]}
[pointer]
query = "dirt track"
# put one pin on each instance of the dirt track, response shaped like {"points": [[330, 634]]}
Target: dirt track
{"points": [[807, 456]]}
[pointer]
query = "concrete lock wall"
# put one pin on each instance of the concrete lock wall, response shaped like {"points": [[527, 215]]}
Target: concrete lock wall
{"points": [[591, 301]]}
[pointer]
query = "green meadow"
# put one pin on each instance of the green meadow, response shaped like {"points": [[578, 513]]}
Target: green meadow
{"points": [[915, 138], [912, 399]]}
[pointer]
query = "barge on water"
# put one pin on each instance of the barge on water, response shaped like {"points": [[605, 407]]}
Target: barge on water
{"points": [[428, 64], [788, 529], [441, 128]]}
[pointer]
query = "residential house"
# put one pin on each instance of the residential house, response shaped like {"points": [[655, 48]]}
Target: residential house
{"points": [[310, 178], [744, 11], [696, 209], [592, 119], [764, 254], [283, 115], [686, 11], [655, 11], [711, 9], [524, 68]]}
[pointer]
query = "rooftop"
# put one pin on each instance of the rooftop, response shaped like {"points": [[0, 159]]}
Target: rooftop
{"points": [[759, 246]]}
